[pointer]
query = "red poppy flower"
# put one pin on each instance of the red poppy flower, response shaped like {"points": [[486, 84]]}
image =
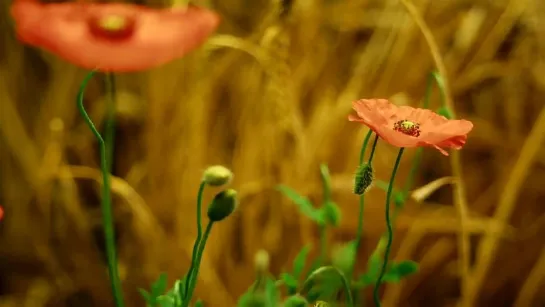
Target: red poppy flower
{"points": [[112, 37], [410, 127], [1, 213]]}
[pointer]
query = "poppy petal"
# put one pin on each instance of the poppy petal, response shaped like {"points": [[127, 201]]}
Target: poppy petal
{"points": [[159, 36]]}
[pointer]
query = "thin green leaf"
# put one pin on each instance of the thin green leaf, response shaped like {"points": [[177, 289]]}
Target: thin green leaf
{"points": [[300, 261], [271, 293], [344, 257], [180, 287], [304, 205], [290, 282], [145, 294], [199, 303], [405, 268], [251, 299], [166, 301], [159, 286], [395, 273], [330, 214], [326, 182]]}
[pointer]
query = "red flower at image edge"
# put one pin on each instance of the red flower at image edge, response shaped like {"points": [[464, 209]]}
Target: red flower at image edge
{"points": [[112, 37], [410, 127], [1, 213]]}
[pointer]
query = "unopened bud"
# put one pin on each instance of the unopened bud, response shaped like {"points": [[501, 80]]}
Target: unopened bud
{"points": [[363, 179], [261, 261], [217, 175], [223, 205]]}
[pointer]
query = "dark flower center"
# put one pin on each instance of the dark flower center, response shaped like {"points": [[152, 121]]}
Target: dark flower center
{"points": [[407, 127], [112, 26]]}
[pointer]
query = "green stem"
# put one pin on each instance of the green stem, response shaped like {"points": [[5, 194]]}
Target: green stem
{"points": [[373, 150], [198, 239], [390, 230], [109, 131], [346, 284], [364, 146], [107, 216], [198, 263], [359, 232]]}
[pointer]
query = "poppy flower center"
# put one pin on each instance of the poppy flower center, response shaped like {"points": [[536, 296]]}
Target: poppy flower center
{"points": [[407, 127], [112, 26]]}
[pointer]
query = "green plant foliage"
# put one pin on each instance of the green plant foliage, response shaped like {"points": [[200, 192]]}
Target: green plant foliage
{"points": [[344, 257], [154, 297], [303, 204]]}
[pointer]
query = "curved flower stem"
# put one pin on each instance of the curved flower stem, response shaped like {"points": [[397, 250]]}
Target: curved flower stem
{"points": [[372, 155], [200, 252], [390, 230], [364, 145], [346, 284], [109, 129], [107, 217], [198, 239]]}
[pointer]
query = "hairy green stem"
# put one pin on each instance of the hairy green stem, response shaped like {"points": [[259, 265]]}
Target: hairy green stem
{"points": [[107, 216], [202, 245], [346, 283], [198, 239], [376, 294]]}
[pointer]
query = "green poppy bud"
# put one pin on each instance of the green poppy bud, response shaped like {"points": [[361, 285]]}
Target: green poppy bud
{"points": [[217, 175], [363, 179], [223, 205]]}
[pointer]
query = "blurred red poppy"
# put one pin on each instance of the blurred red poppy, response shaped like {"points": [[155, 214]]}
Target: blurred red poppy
{"points": [[112, 37], [1, 213], [410, 127]]}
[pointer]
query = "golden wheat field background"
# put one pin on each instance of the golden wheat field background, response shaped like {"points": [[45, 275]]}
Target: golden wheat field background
{"points": [[269, 98]]}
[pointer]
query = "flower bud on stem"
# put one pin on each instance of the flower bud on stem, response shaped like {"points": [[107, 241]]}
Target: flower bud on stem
{"points": [[365, 175]]}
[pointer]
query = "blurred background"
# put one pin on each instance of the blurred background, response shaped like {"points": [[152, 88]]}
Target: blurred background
{"points": [[272, 108]]}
